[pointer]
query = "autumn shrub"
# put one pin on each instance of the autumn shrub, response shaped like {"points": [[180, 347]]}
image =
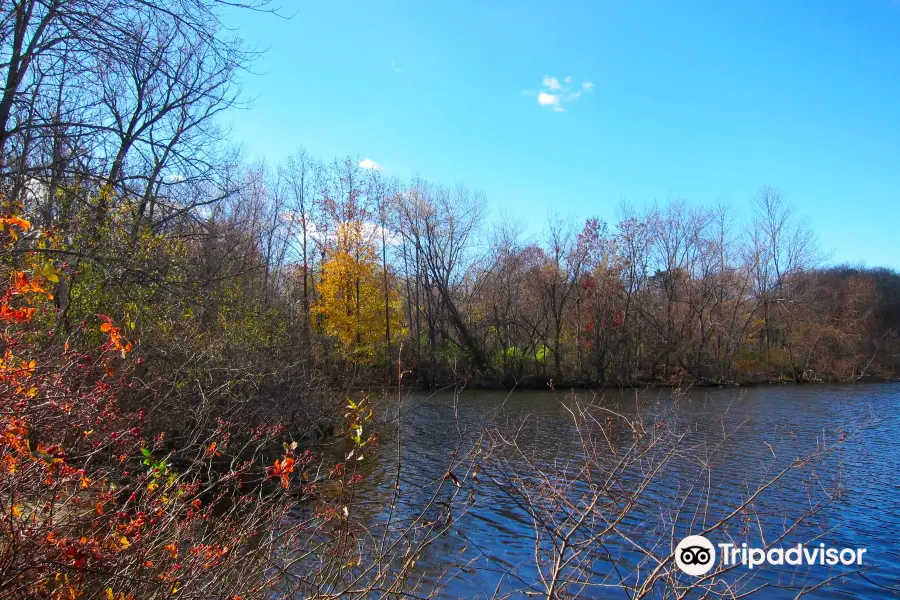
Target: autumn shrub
{"points": [[93, 506]]}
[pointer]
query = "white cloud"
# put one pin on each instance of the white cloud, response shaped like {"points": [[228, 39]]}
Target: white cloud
{"points": [[368, 163], [396, 68], [545, 99], [556, 95], [369, 230], [36, 190]]}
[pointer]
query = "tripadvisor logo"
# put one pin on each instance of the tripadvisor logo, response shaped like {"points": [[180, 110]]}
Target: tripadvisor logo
{"points": [[696, 555]]}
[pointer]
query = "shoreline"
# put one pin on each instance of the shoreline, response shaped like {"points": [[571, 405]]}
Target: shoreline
{"points": [[544, 385]]}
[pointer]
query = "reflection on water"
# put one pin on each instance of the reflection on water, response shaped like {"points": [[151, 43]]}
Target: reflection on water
{"points": [[767, 427]]}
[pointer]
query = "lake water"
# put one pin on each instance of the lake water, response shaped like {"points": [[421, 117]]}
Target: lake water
{"points": [[847, 496]]}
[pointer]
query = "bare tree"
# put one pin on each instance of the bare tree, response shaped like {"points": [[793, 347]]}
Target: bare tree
{"points": [[782, 246], [440, 224], [302, 173]]}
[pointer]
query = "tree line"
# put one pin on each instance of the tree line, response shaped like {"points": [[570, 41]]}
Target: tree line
{"points": [[382, 271]]}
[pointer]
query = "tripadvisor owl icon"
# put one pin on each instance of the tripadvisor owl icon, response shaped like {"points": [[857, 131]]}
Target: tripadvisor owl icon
{"points": [[695, 555]]}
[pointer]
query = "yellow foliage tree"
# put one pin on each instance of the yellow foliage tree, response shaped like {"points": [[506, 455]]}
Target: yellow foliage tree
{"points": [[353, 304]]}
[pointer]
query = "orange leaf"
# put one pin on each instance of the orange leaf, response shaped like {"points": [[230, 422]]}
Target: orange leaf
{"points": [[172, 549], [282, 469], [18, 221]]}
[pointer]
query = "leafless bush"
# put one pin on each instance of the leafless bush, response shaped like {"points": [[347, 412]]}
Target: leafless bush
{"points": [[606, 521]]}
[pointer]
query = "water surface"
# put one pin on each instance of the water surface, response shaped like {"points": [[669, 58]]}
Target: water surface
{"points": [[493, 539]]}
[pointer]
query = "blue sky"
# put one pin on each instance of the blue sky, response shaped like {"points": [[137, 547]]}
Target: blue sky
{"points": [[705, 101]]}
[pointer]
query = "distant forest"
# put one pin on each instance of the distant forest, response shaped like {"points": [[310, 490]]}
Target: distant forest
{"points": [[365, 272]]}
